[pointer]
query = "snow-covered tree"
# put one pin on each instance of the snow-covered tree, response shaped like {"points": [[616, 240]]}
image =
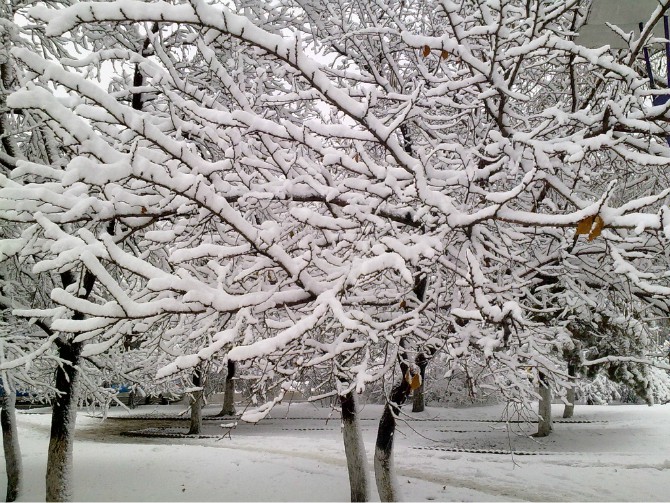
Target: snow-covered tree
{"points": [[400, 173], [28, 139]]}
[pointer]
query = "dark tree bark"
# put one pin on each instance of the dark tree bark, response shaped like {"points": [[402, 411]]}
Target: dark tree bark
{"points": [[228, 408], [418, 397], [64, 415], [196, 404], [10, 443], [544, 422], [384, 476], [354, 448], [569, 409]]}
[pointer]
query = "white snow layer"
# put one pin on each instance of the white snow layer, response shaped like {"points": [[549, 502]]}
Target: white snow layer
{"points": [[623, 455]]}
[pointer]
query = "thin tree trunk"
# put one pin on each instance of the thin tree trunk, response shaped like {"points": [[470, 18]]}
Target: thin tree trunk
{"points": [[420, 285], [63, 418], [10, 443], [354, 448], [569, 409], [418, 397], [228, 408], [196, 404], [384, 475], [544, 423], [387, 486]]}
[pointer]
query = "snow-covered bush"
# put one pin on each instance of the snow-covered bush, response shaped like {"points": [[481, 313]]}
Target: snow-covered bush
{"points": [[599, 391]]}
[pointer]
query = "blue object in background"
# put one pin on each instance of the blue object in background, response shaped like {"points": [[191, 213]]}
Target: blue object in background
{"points": [[121, 388]]}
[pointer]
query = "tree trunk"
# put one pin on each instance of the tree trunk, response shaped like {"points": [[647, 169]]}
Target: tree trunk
{"points": [[229, 392], [544, 423], [569, 409], [63, 418], [418, 397], [10, 443], [138, 78], [354, 448], [384, 476], [196, 404]]}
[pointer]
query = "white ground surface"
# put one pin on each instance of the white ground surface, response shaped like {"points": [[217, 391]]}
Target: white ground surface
{"points": [[297, 455]]}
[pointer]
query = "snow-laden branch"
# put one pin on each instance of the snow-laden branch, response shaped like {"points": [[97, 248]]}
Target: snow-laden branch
{"points": [[620, 359]]}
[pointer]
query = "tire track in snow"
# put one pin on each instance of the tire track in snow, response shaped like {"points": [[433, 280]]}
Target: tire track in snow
{"points": [[456, 481]]}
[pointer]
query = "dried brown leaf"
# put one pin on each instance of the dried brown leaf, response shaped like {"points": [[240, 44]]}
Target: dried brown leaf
{"points": [[598, 226], [584, 226]]}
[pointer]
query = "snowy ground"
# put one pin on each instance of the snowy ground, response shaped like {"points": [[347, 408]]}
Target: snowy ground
{"points": [[623, 454]]}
